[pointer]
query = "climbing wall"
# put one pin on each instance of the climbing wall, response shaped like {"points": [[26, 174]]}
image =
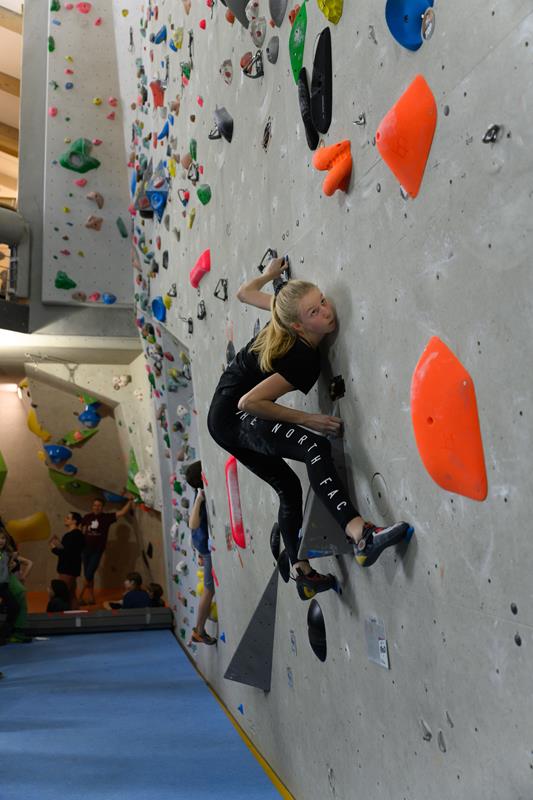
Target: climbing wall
{"points": [[85, 228], [414, 682]]}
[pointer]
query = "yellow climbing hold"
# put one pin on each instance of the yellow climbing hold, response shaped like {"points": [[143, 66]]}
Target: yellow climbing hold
{"points": [[29, 529], [332, 9], [33, 424], [167, 301], [172, 167], [81, 253], [190, 218], [69, 59], [66, 210], [97, 101], [125, 12], [67, 140]]}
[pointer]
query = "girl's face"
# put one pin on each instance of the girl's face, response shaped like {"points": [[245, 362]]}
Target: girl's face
{"points": [[3, 541], [317, 315]]}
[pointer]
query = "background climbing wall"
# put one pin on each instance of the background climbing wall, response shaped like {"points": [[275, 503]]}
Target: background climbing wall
{"points": [[448, 709], [84, 103]]}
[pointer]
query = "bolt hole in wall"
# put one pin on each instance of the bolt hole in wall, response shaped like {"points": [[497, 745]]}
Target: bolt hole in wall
{"points": [[170, 378]]}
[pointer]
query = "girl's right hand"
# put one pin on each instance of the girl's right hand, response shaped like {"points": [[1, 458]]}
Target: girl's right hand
{"points": [[323, 423], [275, 268]]}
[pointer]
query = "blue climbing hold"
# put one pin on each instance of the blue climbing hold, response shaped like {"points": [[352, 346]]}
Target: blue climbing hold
{"points": [[163, 133], [70, 469], [57, 453], [240, 708], [406, 20], [109, 298], [222, 637], [159, 309], [160, 36]]}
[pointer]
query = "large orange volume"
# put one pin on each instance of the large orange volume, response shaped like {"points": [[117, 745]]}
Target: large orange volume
{"points": [[446, 422], [406, 132]]}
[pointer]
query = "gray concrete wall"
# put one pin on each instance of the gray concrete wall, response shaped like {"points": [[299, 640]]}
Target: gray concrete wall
{"points": [[452, 715]]}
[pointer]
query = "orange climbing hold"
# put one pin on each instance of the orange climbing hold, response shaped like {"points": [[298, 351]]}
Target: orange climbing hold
{"points": [[446, 422], [406, 132], [337, 159]]}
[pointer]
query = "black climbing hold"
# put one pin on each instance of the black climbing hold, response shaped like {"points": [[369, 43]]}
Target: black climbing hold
{"points": [[150, 550], [316, 630], [284, 566], [277, 283], [252, 66], [492, 134], [272, 49], [304, 100], [221, 289], [514, 608], [275, 540], [257, 327], [201, 313], [337, 388], [230, 352], [322, 83], [223, 125]]}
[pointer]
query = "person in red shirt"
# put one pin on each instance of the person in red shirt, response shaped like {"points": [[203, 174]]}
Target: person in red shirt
{"points": [[95, 527]]}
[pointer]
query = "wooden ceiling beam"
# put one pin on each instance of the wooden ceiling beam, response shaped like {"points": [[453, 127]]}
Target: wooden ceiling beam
{"points": [[10, 20], [9, 84], [9, 140]]}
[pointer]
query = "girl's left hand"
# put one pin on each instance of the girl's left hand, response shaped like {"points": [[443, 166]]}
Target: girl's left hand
{"points": [[275, 268]]}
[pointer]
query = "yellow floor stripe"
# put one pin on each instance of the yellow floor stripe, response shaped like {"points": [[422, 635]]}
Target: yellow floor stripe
{"points": [[280, 786]]}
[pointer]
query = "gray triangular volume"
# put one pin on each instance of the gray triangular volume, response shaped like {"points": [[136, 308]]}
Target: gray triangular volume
{"points": [[252, 660], [321, 535], [238, 7]]}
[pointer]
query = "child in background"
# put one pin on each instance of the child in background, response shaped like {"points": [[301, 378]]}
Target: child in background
{"points": [[155, 593], [134, 596], [59, 596], [200, 539]]}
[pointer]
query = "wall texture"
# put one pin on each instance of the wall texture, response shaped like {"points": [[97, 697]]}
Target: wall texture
{"points": [[451, 716]]}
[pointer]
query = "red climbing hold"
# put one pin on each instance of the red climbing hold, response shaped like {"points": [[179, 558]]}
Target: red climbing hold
{"points": [[202, 24], [446, 423], [158, 93], [234, 500], [406, 132]]}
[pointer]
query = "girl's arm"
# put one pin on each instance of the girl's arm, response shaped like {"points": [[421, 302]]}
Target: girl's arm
{"points": [[26, 567], [250, 292], [261, 401], [194, 518]]}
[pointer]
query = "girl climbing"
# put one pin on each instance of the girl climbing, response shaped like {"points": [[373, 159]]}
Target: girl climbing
{"points": [[245, 419]]}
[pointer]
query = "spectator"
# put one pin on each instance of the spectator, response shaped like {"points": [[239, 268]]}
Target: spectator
{"points": [[134, 596], [95, 527], [68, 552], [155, 593], [200, 538], [59, 596], [9, 603]]}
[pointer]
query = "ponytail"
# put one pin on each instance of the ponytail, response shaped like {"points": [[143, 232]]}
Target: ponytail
{"points": [[276, 339]]}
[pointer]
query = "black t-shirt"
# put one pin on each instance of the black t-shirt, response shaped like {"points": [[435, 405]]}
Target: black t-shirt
{"points": [[69, 556], [300, 367], [96, 528], [136, 598]]}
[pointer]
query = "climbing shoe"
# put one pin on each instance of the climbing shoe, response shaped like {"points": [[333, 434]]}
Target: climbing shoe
{"points": [[375, 540], [202, 638], [311, 584]]}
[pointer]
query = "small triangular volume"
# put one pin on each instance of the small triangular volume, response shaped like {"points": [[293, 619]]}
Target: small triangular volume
{"points": [[321, 534], [405, 134], [252, 661]]}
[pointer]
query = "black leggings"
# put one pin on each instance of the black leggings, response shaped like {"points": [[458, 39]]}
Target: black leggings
{"points": [[261, 445], [10, 607]]}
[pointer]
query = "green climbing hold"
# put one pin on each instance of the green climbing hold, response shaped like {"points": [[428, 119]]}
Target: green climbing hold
{"points": [[204, 193], [297, 41], [72, 485], [178, 488], [166, 437], [63, 281], [151, 379], [186, 69], [55, 5], [77, 157], [193, 149], [121, 225], [51, 44]]}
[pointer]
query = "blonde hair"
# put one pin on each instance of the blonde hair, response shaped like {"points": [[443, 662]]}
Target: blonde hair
{"points": [[276, 339]]}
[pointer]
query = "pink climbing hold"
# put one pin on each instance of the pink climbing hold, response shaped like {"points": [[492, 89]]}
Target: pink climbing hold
{"points": [[94, 297], [65, 252], [69, 71], [80, 182], [69, 6], [112, 101], [200, 100], [201, 268], [52, 111], [203, 24], [84, 8], [98, 21], [111, 116], [97, 142]]}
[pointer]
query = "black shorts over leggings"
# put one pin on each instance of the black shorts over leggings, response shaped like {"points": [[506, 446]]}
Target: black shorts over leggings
{"points": [[262, 445]]}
